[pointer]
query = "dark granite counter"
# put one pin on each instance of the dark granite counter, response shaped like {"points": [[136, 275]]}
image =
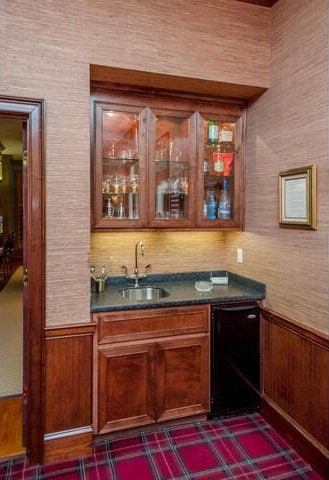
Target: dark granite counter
{"points": [[181, 288]]}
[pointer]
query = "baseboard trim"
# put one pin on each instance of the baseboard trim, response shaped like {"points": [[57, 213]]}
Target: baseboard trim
{"points": [[309, 449], [67, 433], [65, 447]]}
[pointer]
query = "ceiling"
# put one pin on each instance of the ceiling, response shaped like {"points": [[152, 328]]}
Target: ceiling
{"points": [[263, 3]]}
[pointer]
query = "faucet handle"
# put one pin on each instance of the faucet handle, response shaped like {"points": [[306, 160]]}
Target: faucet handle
{"points": [[148, 266]]}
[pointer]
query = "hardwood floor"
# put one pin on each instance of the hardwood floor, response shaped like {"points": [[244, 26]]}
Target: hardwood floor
{"points": [[11, 414], [11, 431]]}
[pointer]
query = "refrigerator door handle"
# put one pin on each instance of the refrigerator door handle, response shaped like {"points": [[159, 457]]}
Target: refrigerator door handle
{"points": [[234, 309]]}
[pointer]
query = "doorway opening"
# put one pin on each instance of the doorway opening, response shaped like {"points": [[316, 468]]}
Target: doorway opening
{"points": [[11, 287], [23, 268]]}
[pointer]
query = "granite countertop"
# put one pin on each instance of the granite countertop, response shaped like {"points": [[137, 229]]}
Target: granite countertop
{"points": [[181, 288]]}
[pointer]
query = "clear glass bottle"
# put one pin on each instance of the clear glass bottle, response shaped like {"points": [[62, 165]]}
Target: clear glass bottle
{"points": [[206, 166], [211, 204], [110, 208], [224, 207]]}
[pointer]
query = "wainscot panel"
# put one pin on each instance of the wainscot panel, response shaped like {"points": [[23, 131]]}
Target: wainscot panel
{"points": [[69, 379], [296, 386]]}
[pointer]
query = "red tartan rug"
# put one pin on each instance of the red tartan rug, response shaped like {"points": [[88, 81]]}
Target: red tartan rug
{"points": [[239, 448]]}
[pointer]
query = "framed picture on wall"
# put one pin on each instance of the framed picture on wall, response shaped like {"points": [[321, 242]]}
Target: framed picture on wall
{"points": [[297, 198]]}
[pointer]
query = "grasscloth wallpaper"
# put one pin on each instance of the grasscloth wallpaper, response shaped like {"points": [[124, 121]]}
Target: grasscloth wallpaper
{"points": [[45, 52], [287, 128]]}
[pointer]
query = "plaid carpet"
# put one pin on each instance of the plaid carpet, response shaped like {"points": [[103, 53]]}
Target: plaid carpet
{"points": [[243, 447]]}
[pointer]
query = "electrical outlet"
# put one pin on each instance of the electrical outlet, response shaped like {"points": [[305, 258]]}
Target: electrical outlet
{"points": [[239, 255]]}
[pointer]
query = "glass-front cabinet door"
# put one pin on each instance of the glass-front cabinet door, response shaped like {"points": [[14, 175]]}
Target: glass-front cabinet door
{"points": [[119, 173], [220, 172], [172, 168], [166, 162]]}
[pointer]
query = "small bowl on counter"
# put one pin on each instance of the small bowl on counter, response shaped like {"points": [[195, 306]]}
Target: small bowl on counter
{"points": [[203, 286]]}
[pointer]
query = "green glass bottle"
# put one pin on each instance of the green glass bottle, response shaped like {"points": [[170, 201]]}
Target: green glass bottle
{"points": [[212, 132]]}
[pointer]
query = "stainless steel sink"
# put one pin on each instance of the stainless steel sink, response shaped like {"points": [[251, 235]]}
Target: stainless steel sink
{"points": [[143, 293]]}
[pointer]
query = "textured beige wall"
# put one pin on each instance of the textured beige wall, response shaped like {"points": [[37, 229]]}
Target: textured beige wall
{"points": [[288, 128], [166, 251], [45, 51]]}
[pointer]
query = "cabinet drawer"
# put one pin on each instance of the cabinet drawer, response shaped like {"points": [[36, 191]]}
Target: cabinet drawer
{"points": [[151, 323]]}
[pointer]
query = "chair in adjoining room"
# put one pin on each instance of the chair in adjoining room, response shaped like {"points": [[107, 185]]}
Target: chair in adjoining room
{"points": [[5, 256]]}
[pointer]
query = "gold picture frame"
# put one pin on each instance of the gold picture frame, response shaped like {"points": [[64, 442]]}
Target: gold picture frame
{"points": [[297, 198]]}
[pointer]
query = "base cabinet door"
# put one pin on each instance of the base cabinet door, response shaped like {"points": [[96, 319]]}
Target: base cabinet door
{"points": [[152, 366], [182, 379], [125, 388]]}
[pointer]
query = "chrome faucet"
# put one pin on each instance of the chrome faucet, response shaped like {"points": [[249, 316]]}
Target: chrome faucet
{"points": [[138, 244], [136, 275]]}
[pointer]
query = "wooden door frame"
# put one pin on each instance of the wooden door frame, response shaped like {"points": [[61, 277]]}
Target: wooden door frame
{"points": [[32, 111]]}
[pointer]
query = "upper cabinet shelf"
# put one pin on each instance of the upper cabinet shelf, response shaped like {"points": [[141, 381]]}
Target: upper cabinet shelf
{"points": [[120, 160], [166, 161]]}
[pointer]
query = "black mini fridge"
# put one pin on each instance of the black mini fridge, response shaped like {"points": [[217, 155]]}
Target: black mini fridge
{"points": [[235, 359]]}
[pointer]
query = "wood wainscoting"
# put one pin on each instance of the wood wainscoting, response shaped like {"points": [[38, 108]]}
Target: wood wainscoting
{"points": [[69, 386], [295, 395]]}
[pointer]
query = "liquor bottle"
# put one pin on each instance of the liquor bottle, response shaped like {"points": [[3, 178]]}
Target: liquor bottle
{"points": [[211, 204], [226, 133], [205, 166], [121, 210], [224, 208], [110, 208], [212, 132], [218, 164]]}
